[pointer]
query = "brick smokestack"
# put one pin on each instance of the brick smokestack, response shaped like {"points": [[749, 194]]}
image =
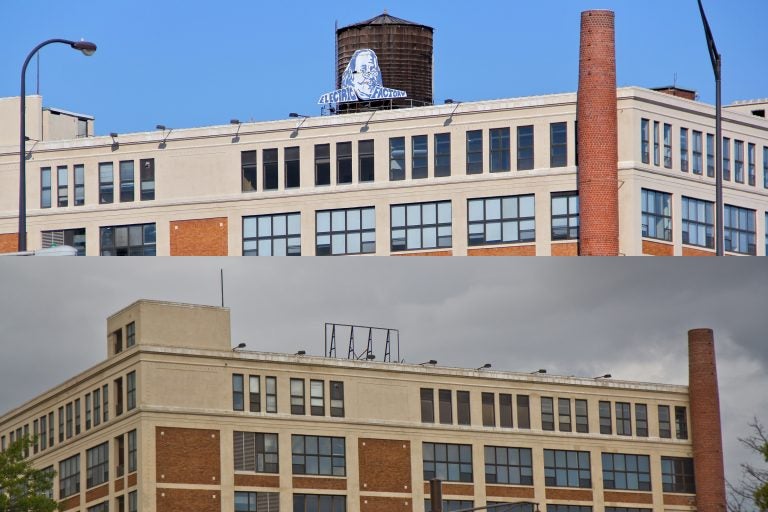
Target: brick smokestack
{"points": [[597, 137], [705, 422]]}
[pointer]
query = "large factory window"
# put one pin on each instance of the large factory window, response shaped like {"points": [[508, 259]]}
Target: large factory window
{"points": [[396, 158], [656, 211], [322, 164], [448, 462], [496, 220], [365, 163], [565, 215], [567, 468], [419, 157], [677, 475], [442, 154], [255, 451], [499, 148], [558, 145], [475, 152], [318, 455], [524, 148], [421, 226], [135, 240], [698, 222], [508, 465], [626, 472], [345, 231], [69, 476], [272, 235]]}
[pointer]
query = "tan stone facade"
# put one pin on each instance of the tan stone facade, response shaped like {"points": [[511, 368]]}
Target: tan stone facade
{"points": [[183, 424]]}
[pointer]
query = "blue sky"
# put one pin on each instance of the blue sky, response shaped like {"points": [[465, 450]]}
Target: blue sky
{"points": [[192, 63]]}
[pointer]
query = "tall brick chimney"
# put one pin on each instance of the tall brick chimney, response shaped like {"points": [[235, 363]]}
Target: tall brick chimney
{"points": [[705, 422], [597, 137]]}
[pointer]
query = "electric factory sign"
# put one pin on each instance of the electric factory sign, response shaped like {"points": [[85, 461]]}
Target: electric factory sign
{"points": [[361, 81]]}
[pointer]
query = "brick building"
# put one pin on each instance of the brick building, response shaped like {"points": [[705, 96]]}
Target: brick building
{"points": [[603, 171], [175, 419]]}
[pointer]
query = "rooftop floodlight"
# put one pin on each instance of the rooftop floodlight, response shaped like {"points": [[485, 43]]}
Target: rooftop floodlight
{"points": [[294, 114], [540, 370], [239, 346], [86, 47], [455, 103], [484, 367], [236, 136], [606, 376], [160, 127], [113, 135], [234, 121], [301, 352], [370, 357], [431, 361]]}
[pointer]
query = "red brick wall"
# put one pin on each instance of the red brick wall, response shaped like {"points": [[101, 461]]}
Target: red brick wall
{"points": [[569, 249], [677, 499], [132, 480], [306, 482], [689, 251], [512, 250], [569, 494], [70, 503], [257, 480], [628, 497], [187, 456], [427, 253], [186, 500], [449, 488], [598, 136], [385, 465], [383, 504], [705, 421], [119, 484], [508, 491], [98, 492], [657, 248], [9, 242], [199, 237]]}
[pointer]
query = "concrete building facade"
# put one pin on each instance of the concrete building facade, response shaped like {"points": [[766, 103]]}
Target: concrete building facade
{"points": [[176, 419]]}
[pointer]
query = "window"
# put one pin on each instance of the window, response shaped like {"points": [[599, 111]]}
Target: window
{"points": [[105, 402], [255, 452], [132, 449], [51, 434], [558, 140], [605, 417], [396, 158], [101, 507], [77, 417], [322, 164], [684, 149], [427, 397], [61, 426], [448, 462], [450, 505], [106, 183], [271, 385], [499, 149], [82, 127], [337, 399], [315, 502], [623, 419], [346, 231], [297, 396], [656, 215], [523, 412], [626, 472], [677, 475], [257, 501], [130, 335], [489, 409], [681, 423], [130, 384], [72, 237], [421, 226], [697, 155], [147, 177], [508, 465], [97, 465], [765, 166], [462, 408], [739, 230], [524, 147], [498, 220], [547, 413], [567, 468], [475, 152], [133, 501], [292, 167], [272, 235], [317, 397], [79, 172], [43, 433], [665, 425], [445, 406], [126, 181], [343, 162], [644, 141], [738, 161], [249, 171], [237, 392], [254, 393], [87, 412], [365, 155], [419, 157], [564, 414], [505, 410], [62, 186], [656, 149], [45, 187], [442, 154], [567, 508], [710, 155], [698, 222], [667, 146], [726, 158], [134, 240], [582, 418], [318, 455], [270, 169], [641, 420], [751, 164], [118, 387], [565, 215]]}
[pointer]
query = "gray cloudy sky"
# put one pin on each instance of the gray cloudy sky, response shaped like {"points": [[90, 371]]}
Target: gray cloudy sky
{"points": [[624, 316]]}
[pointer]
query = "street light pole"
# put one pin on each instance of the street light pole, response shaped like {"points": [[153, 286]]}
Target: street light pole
{"points": [[714, 56], [88, 49]]}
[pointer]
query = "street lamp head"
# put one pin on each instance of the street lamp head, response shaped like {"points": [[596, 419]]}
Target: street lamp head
{"points": [[86, 47]]}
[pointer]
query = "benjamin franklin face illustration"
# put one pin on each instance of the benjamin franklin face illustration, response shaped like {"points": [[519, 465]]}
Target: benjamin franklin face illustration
{"points": [[363, 73]]}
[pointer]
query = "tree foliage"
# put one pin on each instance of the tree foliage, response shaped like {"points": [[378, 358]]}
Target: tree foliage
{"points": [[24, 488], [751, 492]]}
